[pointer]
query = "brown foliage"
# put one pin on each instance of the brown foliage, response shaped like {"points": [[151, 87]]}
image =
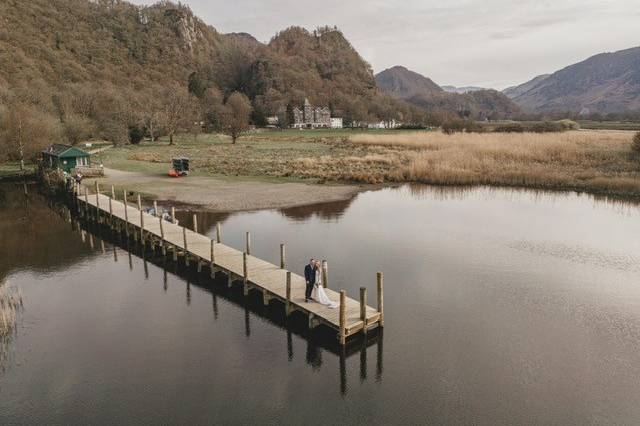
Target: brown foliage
{"points": [[235, 116]]}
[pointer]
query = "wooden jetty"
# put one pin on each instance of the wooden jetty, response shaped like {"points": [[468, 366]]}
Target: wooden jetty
{"points": [[274, 281]]}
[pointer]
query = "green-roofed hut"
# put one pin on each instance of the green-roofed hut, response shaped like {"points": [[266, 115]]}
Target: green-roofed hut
{"points": [[65, 157]]}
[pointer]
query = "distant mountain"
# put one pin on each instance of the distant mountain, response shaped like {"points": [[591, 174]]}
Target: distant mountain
{"points": [[462, 90], [421, 91], [515, 91], [604, 83], [401, 83]]}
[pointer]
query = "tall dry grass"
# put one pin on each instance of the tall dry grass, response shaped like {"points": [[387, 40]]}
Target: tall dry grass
{"points": [[10, 305], [595, 161]]}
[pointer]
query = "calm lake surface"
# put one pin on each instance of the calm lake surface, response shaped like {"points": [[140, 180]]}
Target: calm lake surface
{"points": [[501, 307]]}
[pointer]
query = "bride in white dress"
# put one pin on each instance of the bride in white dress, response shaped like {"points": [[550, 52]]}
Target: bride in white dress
{"points": [[318, 294]]}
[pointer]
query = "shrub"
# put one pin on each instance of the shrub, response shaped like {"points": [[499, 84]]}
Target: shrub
{"points": [[636, 142], [136, 134], [510, 128]]}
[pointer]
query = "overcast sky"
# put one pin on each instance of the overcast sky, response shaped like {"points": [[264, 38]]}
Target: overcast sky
{"points": [[490, 43]]}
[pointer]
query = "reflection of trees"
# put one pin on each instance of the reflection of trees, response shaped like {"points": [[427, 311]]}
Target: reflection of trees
{"points": [[32, 234], [332, 210]]}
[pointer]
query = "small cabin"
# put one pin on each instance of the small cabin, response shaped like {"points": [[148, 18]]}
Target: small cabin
{"points": [[65, 157]]}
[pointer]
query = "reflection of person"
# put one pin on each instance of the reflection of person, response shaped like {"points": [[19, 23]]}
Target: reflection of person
{"points": [[318, 294], [310, 278]]}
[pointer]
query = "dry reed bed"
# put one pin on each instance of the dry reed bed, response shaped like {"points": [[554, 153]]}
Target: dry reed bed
{"points": [[10, 305], [600, 162]]}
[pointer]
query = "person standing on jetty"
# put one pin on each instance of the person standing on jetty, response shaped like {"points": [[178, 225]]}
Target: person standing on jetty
{"points": [[310, 278]]}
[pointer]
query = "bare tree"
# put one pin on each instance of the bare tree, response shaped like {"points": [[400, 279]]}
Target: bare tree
{"points": [[235, 116], [178, 110], [25, 130]]}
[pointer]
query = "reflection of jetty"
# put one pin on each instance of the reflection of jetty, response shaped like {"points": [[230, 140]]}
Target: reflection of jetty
{"points": [[275, 282]]}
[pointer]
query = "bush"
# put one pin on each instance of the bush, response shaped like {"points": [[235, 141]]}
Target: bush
{"points": [[509, 128], [136, 134], [636, 142]]}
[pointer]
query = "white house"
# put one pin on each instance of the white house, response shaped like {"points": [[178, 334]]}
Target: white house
{"points": [[336, 122]]}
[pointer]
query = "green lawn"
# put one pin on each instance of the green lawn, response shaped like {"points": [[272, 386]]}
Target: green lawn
{"points": [[13, 169]]}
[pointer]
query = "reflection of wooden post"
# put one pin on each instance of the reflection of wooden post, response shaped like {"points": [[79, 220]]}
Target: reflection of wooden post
{"points": [[218, 233], [248, 243], [282, 256], [343, 319], [245, 271], [381, 298], [363, 308], [195, 223], [325, 274], [288, 305]]}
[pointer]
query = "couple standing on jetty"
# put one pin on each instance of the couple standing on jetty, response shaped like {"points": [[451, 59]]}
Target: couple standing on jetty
{"points": [[315, 290]]}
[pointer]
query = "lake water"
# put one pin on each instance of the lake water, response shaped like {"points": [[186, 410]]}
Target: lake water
{"points": [[501, 307]]}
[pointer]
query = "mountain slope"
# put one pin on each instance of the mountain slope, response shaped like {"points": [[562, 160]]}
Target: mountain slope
{"points": [[421, 91], [604, 83], [515, 91], [402, 83]]}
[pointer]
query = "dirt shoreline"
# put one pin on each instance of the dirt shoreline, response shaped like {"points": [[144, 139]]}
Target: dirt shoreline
{"points": [[221, 195]]}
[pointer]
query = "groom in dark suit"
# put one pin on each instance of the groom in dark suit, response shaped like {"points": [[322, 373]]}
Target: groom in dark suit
{"points": [[310, 278]]}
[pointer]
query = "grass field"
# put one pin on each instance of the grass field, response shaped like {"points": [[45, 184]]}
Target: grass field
{"points": [[593, 161], [609, 125], [13, 169]]}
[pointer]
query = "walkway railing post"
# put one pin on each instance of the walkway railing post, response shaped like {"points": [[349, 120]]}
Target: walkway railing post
{"points": [[218, 233], [126, 213], [97, 202], [282, 256], [173, 214], [162, 244], [325, 274], [141, 221], [245, 273], [213, 259], [343, 317], [288, 305], [380, 280], [186, 248], [248, 242], [195, 223], [155, 208], [363, 308]]}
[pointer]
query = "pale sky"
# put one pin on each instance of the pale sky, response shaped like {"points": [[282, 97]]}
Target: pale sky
{"points": [[491, 43]]}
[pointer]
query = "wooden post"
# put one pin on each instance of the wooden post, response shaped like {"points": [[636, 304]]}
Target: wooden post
{"points": [[248, 242], [288, 305], [186, 252], [139, 203], [213, 259], [218, 233], [343, 318], [173, 214], [363, 308], [175, 253], [126, 213], [142, 228], [325, 274], [380, 298], [162, 243], [245, 271], [86, 202], [282, 256], [195, 223], [97, 202], [155, 208], [113, 192]]}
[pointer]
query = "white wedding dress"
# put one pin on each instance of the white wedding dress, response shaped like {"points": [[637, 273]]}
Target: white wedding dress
{"points": [[318, 294]]}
